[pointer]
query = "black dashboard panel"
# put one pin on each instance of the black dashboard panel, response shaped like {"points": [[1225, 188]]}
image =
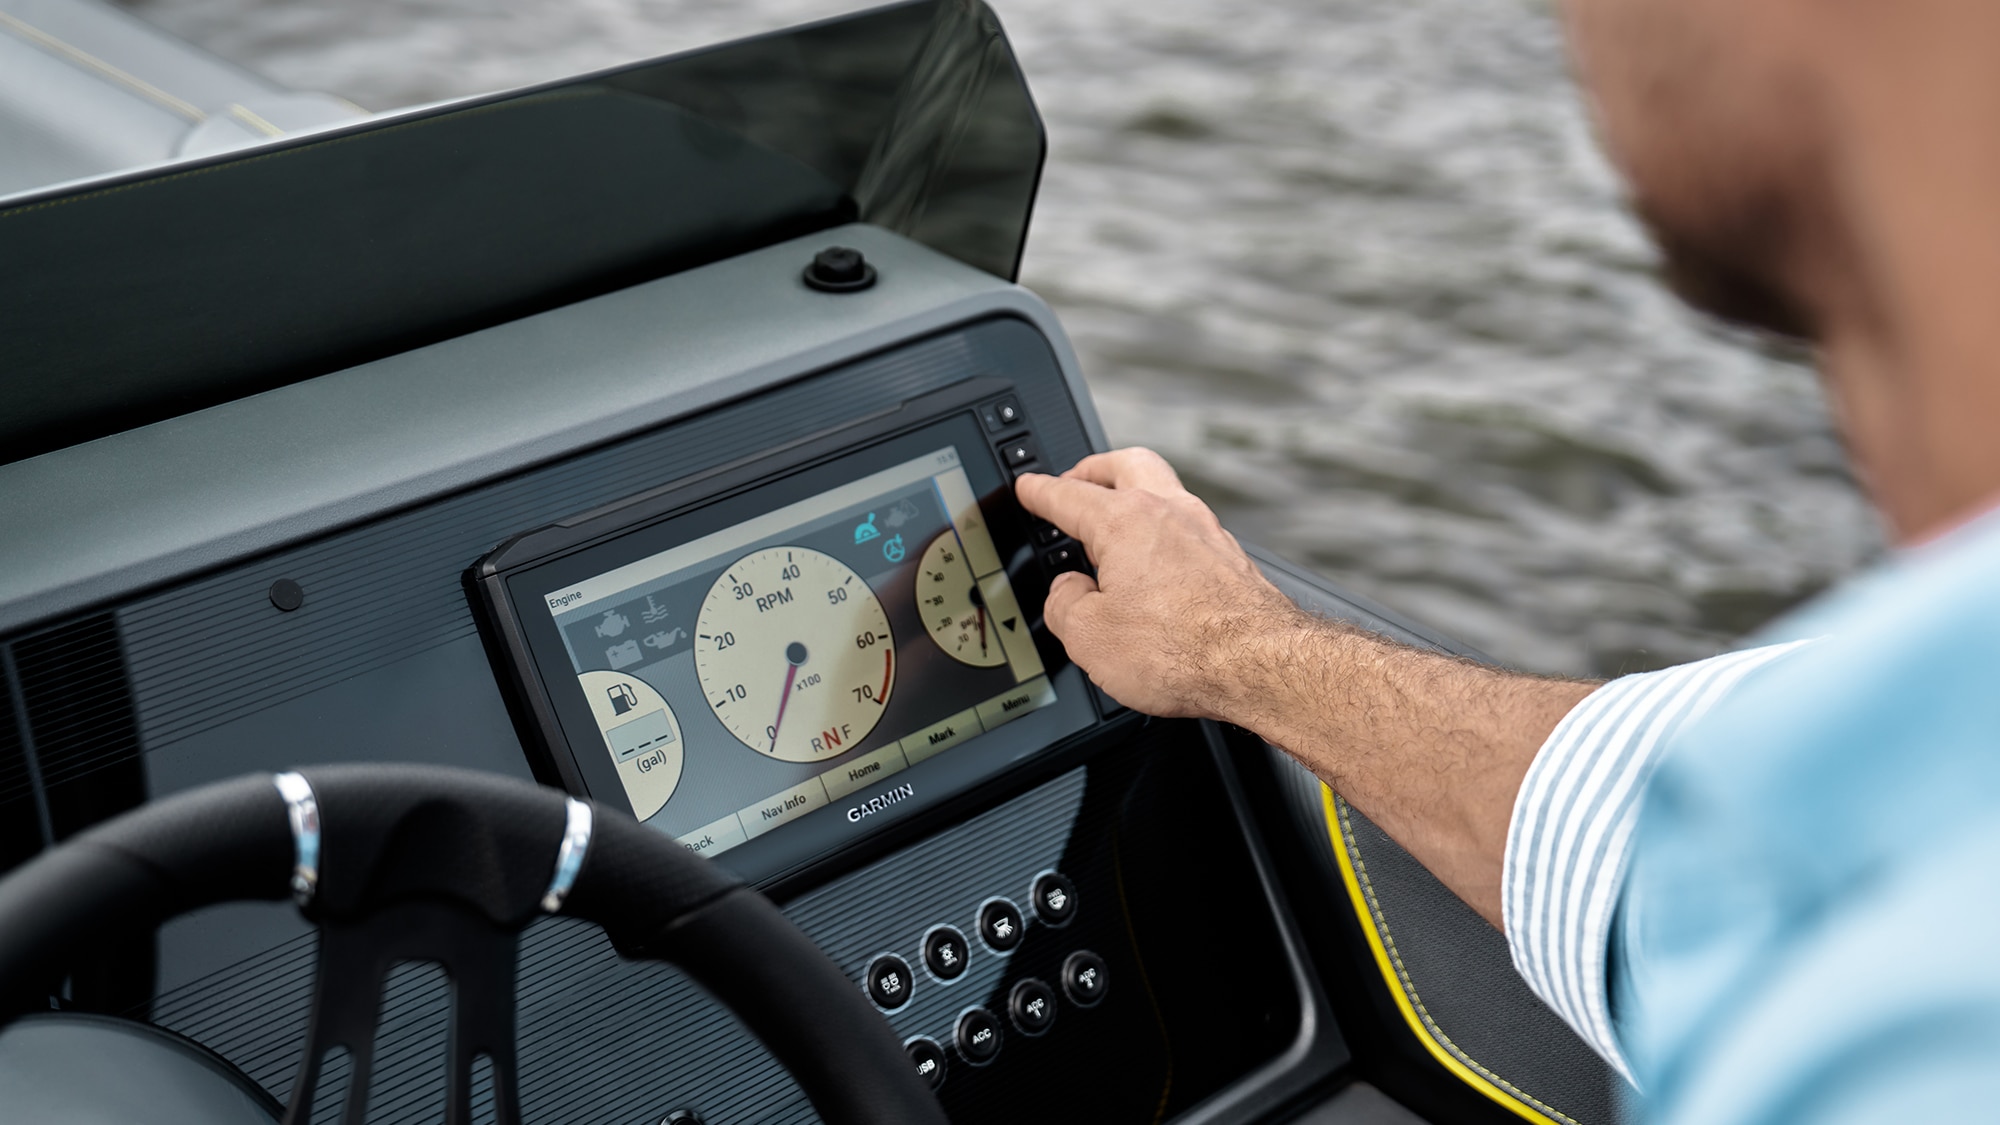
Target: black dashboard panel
{"points": [[381, 658], [1196, 988]]}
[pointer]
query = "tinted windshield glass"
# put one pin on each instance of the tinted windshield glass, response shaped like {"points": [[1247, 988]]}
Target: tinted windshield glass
{"points": [[175, 288]]}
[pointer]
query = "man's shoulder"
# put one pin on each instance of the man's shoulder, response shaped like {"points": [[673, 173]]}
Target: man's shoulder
{"points": [[1856, 758], [1887, 1009], [1899, 676]]}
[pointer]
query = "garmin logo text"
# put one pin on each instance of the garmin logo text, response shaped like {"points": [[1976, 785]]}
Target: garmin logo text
{"points": [[558, 601], [873, 805]]}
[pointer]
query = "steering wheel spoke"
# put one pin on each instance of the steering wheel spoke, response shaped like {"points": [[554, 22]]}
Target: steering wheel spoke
{"points": [[355, 959]]}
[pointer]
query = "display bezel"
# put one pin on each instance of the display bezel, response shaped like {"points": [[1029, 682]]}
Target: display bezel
{"points": [[508, 586]]}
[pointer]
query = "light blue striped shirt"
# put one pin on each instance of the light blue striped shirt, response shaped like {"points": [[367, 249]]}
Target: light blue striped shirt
{"points": [[1766, 886]]}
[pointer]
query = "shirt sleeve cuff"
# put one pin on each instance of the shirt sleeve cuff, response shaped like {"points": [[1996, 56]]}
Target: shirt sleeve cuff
{"points": [[1569, 842]]}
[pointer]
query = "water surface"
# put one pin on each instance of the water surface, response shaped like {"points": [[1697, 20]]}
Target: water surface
{"points": [[1354, 266]]}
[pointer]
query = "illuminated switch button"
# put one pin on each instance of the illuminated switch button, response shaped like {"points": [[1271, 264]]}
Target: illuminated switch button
{"points": [[945, 952], [978, 1036], [1055, 899], [1033, 1006], [889, 982], [928, 1058], [1083, 978], [1000, 925]]}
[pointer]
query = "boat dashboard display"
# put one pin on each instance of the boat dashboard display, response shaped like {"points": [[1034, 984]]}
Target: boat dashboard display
{"points": [[731, 655], [595, 477]]}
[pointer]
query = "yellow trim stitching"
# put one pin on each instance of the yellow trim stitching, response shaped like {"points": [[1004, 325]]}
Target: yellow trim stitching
{"points": [[1354, 873]]}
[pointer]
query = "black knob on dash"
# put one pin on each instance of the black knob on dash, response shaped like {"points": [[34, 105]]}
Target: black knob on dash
{"points": [[839, 269]]}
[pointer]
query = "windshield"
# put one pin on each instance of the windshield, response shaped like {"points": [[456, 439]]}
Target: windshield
{"points": [[171, 288]]}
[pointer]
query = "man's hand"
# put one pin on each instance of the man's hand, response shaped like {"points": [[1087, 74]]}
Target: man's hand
{"points": [[1175, 599], [1180, 622]]}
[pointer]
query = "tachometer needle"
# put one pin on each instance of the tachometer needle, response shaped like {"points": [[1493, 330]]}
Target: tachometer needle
{"points": [[791, 677]]}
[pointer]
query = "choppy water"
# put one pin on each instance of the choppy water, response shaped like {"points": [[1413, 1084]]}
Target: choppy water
{"points": [[1353, 265]]}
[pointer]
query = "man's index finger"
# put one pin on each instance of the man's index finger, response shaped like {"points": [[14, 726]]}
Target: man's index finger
{"points": [[1077, 507]]}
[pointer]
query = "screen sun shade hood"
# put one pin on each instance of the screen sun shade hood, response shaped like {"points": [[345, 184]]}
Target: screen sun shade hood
{"points": [[147, 295]]}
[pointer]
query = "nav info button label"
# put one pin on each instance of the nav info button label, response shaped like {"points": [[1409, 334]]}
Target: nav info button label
{"points": [[780, 807]]}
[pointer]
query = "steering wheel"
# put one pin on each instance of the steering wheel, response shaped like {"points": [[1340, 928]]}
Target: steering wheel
{"points": [[412, 863]]}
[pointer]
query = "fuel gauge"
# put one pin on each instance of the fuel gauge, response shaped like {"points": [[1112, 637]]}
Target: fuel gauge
{"points": [[954, 614]]}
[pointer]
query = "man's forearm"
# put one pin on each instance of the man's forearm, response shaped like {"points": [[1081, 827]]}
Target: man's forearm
{"points": [[1431, 748], [1179, 621]]}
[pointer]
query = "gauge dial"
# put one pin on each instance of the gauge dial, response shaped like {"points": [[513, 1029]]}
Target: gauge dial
{"points": [[808, 618], [954, 614], [642, 733]]}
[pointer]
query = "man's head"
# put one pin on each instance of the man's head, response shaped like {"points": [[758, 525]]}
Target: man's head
{"points": [[1831, 169], [1708, 106]]}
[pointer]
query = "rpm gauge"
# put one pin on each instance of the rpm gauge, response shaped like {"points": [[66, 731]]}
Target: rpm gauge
{"points": [[794, 654], [954, 613]]}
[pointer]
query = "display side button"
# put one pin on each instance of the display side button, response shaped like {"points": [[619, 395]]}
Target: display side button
{"points": [[865, 770], [1034, 694], [1062, 557], [719, 836], [939, 737], [1005, 612], [778, 808], [1018, 452]]}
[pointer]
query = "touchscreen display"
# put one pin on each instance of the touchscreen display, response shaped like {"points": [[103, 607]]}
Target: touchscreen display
{"points": [[747, 677]]}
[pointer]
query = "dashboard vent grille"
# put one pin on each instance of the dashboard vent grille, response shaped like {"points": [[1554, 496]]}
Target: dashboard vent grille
{"points": [[81, 724], [20, 821]]}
